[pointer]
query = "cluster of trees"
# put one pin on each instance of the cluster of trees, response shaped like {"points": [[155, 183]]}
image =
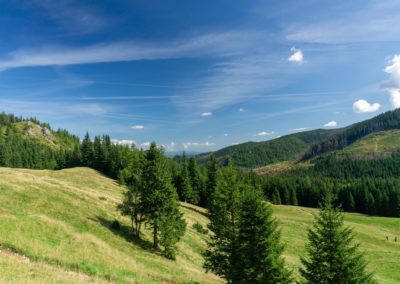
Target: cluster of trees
{"points": [[194, 183], [341, 165], [374, 196], [245, 244], [151, 199], [106, 157]]}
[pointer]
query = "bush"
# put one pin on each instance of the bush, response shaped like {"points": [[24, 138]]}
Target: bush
{"points": [[199, 228]]}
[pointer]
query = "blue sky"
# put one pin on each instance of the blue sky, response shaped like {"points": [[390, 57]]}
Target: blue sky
{"points": [[199, 75]]}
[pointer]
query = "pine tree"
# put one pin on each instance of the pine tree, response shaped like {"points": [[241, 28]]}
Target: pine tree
{"points": [[332, 255], [222, 253], [159, 201], [276, 198], [211, 183], [195, 180], [87, 151], [259, 245], [185, 184], [293, 197]]}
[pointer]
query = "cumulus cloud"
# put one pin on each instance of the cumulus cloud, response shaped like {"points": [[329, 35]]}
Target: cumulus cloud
{"points": [[331, 124], [206, 114], [265, 133], [296, 56], [392, 84], [123, 142], [362, 106], [226, 134], [169, 147], [299, 129], [241, 109], [395, 98], [145, 145], [137, 127], [187, 145]]}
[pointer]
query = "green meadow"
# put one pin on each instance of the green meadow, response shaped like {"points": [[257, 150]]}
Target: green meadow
{"points": [[56, 228]]}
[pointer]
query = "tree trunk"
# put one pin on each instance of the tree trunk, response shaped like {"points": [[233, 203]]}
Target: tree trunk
{"points": [[155, 236]]}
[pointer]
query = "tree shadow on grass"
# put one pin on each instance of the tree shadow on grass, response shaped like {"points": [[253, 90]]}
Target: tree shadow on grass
{"points": [[125, 232], [193, 209]]}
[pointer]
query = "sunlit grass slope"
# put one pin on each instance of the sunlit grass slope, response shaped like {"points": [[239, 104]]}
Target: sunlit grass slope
{"points": [[380, 142], [60, 220], [383, 256], [55, 228]]}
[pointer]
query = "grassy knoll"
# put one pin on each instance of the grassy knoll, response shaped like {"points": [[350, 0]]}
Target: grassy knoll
{"points": [[55, 228], [380, 142]]}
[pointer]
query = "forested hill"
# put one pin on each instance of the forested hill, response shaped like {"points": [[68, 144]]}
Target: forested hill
{"points": [[305, 145], [29, 143], [256, 154], [386, 121]]}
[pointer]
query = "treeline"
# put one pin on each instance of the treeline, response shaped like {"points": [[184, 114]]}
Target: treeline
{"points": [[374, 196], [386, 121], [341, 165]]}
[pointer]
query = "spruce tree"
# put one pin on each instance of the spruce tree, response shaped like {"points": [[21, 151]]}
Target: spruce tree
{"points": [[276, 198], [259, 245], [211, 184], [87, 151], [332, 256], [195, 180], [222, 253], [159, 201]]}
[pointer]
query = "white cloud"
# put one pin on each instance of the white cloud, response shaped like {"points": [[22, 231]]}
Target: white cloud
{"points": [[331, 124], [145, 145], [299, 129], [226, 134], [212, 44], [372, 21], [395, 98], [123, 142], [297, 55], [137, 127], [393, 69], [188, 145], [362, 106], [169, 147], [206, 114], [241, 109], [392, 84], [265, 133]]}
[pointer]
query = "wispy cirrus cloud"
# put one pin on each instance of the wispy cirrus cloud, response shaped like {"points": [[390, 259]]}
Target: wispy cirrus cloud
{"points": [[74, 17], [212, 44], [372, 21]]}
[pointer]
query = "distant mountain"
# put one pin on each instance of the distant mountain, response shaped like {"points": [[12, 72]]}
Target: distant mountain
{"points": [[310, 144]]}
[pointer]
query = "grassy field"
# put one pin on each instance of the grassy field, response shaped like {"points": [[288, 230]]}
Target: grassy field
{"points": [[380, 142], [55, 228]]}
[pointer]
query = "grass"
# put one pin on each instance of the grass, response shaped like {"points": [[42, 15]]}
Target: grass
{"points": [[55, 228], [376, 143]]}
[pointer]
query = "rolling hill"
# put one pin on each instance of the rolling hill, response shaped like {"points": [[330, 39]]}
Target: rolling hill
{"points": [[56, 228], [306, 145]]}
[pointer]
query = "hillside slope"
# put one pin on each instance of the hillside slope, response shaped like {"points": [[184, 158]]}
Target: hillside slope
{"points": [[60, 220], [379, 143], [56, 229], [257, 154]]}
